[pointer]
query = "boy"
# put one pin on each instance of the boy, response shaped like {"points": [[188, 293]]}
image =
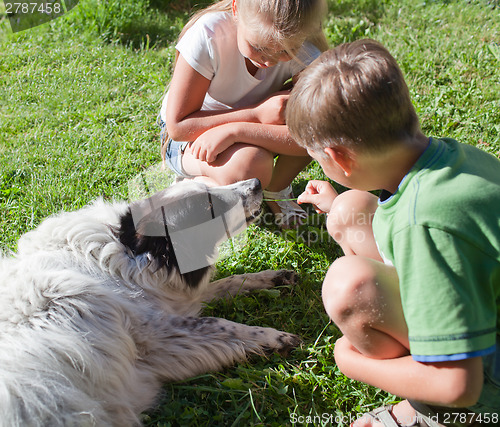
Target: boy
{"points": [[417, 293]]}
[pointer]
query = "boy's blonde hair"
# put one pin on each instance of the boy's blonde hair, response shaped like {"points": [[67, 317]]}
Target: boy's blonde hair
{"points": [[354, 95], [280, 21]]}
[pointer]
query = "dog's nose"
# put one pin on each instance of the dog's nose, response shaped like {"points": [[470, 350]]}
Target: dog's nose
{"points": [[252, 185], [256, 184]]}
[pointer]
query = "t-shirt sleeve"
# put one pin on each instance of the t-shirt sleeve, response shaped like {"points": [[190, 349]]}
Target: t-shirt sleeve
{"points": [[447, 293], [197, 48]]}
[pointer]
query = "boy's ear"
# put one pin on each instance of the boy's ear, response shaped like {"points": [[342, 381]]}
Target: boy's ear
{"points": [[343, 157]]}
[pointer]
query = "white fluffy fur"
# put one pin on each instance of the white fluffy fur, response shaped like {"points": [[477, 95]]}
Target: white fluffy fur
{"points": [[88, 331]]}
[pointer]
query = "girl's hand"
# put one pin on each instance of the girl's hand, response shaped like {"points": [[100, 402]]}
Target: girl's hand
{"points": [[212, 142], [272, 110], [320, 194]]}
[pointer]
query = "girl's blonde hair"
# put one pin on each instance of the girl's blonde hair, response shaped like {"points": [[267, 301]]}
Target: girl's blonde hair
{"points": [[287, 20], [289, 23]]}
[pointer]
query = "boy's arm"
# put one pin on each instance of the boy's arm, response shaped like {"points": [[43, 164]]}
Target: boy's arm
{"points": [[452, 384]]}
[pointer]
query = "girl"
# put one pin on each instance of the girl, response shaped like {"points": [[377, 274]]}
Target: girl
{"points": [[223, 115]]}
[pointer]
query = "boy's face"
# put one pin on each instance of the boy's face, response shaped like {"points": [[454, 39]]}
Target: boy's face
{"points": [[331, 167]]}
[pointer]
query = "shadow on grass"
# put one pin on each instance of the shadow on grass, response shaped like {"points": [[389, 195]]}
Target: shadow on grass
{"points": [[157, 24]]}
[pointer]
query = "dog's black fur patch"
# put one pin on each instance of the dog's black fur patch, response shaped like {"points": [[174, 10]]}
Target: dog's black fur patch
{"points": [[160, 248]]}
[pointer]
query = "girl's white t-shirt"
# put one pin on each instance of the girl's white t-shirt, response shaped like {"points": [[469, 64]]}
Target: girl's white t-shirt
{"points": [[210, 47]]}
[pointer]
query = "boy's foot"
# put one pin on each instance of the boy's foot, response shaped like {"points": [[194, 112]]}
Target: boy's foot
{"points": [[406, 414], [286, 210], [401, 414]]}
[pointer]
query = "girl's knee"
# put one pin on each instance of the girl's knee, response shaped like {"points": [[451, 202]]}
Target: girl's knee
{"points": [[248, 162], [258, 163], [346, 288]]}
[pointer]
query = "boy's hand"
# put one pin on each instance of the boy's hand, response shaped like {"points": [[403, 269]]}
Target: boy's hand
{"points": [[320, 194], [271, 111]]}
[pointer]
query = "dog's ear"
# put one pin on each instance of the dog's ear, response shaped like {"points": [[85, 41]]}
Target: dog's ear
{"points": [[126, 232], [139, 241]]}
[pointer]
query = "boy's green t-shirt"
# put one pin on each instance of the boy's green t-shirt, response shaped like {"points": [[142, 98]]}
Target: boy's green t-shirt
{"points": [[441, 231]]}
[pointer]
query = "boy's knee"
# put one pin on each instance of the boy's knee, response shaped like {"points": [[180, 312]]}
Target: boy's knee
{"points": [[346, 287], [350, 208]]}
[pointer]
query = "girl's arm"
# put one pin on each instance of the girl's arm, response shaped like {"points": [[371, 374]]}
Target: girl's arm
{"points": [[185, 121], [452, 384], [274, 138]]}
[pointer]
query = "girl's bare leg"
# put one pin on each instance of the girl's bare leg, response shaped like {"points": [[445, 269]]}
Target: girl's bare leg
{"points": [[285, 170], [239, 162]]}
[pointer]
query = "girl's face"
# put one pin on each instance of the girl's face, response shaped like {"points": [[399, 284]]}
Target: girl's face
{"points": [[261, 54]]}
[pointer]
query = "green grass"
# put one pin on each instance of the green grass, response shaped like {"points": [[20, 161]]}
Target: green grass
{"points": [[78, 102]]}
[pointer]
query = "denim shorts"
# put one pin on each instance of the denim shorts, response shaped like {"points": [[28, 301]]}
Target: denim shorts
{"points": [[174, 152]]}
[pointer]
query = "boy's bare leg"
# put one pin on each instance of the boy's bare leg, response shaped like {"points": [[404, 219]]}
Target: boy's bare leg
{"points": [[361, 296], [350, 223], [360, 293]]}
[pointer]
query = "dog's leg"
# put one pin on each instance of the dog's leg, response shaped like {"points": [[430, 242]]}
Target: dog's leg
{"points": [[236, 284], [183, 347]]}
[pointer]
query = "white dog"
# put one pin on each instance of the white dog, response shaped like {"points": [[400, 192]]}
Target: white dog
{"points": [[96, 312]]}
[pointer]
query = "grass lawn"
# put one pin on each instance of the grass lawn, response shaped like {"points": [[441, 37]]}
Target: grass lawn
{"points": [[78, 102]]}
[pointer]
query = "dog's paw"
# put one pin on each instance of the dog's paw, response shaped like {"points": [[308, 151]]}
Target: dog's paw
{"points": [[281, 342], [266, 279], [285, 277], [287, 343]]}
